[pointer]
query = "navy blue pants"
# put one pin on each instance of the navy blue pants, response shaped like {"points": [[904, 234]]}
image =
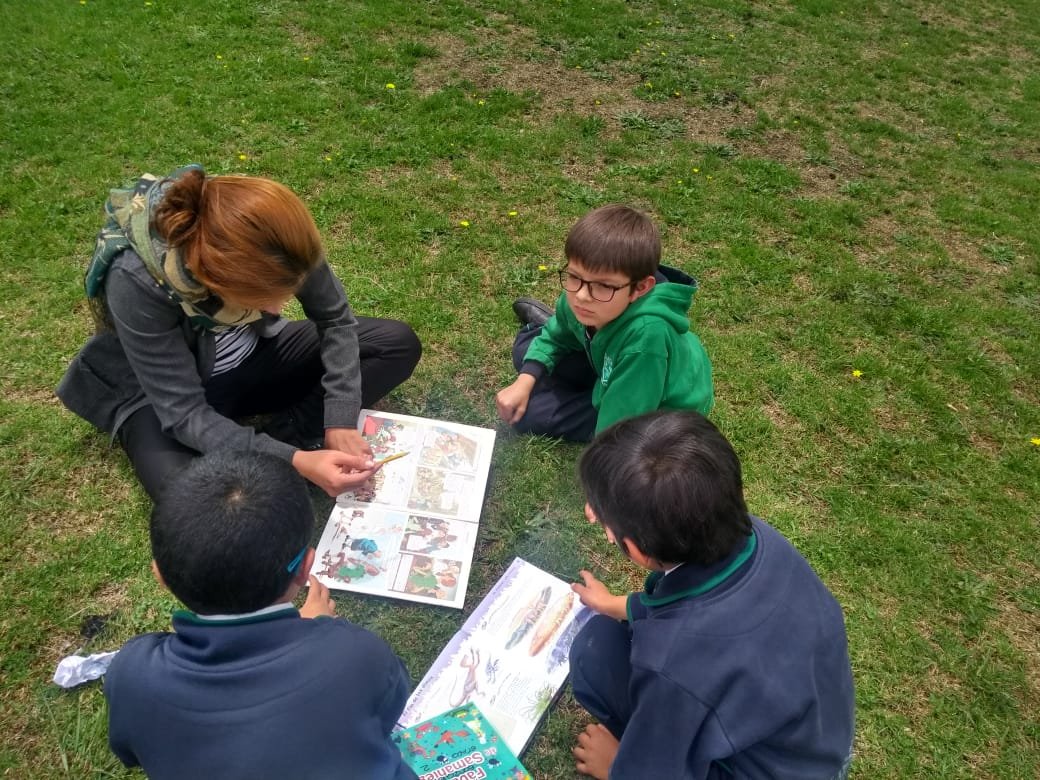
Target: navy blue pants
{"points": [[282, 377], [601, 669], [561, 402]]}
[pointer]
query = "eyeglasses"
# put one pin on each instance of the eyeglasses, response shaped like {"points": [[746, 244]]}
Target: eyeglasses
{"points": [[598, 291]]}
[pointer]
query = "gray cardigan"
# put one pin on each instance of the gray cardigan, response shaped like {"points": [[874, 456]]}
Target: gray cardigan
{"points": [[156, 357]]}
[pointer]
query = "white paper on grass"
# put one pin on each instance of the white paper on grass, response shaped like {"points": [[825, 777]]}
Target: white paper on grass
{"points": [[75, 670]]}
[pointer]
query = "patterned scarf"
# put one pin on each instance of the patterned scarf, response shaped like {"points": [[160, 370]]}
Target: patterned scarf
{"points": [[128, 221]]}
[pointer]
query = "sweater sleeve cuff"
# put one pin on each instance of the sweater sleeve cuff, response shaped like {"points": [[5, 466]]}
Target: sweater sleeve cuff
{"points": [[534, 368], [273, 446], [340, 413], [634, 608]]}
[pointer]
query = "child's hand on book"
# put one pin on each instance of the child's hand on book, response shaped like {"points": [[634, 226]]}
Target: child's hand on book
{"points": [[319, 601], [594, 594]]}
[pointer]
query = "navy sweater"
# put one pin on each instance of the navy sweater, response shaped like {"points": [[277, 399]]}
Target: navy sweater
{"points": [[273, 696], [739, 670]]}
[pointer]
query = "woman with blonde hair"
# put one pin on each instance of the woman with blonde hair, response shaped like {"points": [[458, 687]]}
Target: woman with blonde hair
{"points": [[188, 282]]}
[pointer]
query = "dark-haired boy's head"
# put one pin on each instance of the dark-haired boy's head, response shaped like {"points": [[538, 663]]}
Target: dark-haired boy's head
{"points": [[615, 239], [227, 527], [670, 483]]}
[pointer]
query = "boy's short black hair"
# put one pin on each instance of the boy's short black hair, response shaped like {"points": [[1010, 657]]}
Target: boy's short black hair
{"points": [[669, 482], [615, 239], [227, 527]]}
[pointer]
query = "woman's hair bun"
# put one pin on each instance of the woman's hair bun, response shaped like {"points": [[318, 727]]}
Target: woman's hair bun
{"points": [[177, 216]]}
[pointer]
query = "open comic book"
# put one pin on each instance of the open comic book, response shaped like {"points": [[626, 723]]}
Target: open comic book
{"points": [[509, 658], [409, 533]]}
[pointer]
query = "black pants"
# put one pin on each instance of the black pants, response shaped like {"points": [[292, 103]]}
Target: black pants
{"points": [[282, 376], [561, 403], [601, 669]]}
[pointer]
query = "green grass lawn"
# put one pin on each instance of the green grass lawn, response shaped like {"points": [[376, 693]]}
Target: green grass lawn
{"points": [[855, 185]]}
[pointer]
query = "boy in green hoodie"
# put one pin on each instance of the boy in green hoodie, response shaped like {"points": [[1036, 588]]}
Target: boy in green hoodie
{"points": [[619, 343]]}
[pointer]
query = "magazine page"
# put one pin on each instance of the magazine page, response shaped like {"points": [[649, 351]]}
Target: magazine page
{"points": [[410, 531], [510, 658]]}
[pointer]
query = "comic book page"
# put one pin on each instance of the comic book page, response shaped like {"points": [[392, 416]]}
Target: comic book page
{"points": [[510, 656], [410, 531]]}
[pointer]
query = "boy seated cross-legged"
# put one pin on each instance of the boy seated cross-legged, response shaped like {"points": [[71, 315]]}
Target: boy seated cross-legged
{"points": [[733, 662], [246, 686], [619, 343]]}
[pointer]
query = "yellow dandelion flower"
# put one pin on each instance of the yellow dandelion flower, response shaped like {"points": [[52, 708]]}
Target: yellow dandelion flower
{"points": [[599, 102], [649, 85], [696, 170], [391, 85], [242, 156], [480, 102], [857, 373], [306, 59], [512, 213], [328, 158], [220, 56], [1035, 441], [463, 223], [543, 268]]}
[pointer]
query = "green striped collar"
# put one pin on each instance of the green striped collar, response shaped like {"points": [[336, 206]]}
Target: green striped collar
{"points": [[698, 590]]}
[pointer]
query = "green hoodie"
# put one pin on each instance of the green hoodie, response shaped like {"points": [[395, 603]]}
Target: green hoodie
{"points": [[646, 359]]}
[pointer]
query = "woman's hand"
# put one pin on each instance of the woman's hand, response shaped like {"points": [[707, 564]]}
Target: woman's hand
{"points": [[332, 470], [511, 402], [594, 594], [348, 440]]}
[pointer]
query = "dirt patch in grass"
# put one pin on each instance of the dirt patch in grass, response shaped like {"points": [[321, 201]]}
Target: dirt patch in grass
{"points": [[985, 444], [304, 41], [67, 517], [966, 252], [511, 58], [818, 179], [781, 419], [36, 396], [1026, 390], [891, 420], [1022, 628]]}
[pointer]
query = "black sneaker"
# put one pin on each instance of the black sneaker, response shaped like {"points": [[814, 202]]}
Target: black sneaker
{"points": [[531, 311]]}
